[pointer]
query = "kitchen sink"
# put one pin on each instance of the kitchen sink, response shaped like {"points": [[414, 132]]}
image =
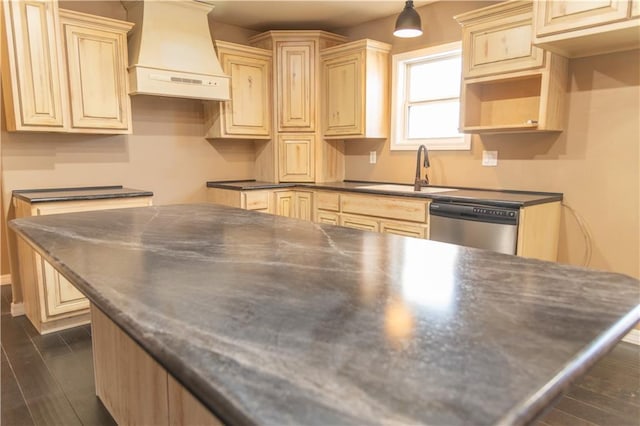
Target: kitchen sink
{"points": [[406, 188]]}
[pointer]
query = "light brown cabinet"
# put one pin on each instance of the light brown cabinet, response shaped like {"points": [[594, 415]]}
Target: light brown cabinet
{"points": [[509, 85], [387, 214], [51, 302], [96, 58], [297, 153], [296, 94], [584, 28], [355, 90], [498, 39], [33, 79], [248, 114], [136, 389], [64, 71], [294, 203], [258, 200]]}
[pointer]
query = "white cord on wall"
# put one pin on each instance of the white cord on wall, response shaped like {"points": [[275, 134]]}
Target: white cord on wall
{"points": [[582, 224]]}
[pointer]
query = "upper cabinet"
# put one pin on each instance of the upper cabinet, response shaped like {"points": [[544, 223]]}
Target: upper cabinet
{"points": [[355, 90], [296, 78], [96, 58], [584, 28], [509, 85], [63, 71], [248, 114], [32, 71]]}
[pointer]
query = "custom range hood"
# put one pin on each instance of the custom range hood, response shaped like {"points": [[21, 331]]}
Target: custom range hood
{"points": [[171, 52]]}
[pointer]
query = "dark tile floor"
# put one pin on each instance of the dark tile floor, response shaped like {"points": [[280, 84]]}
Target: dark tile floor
{"points": [[48, 380]]}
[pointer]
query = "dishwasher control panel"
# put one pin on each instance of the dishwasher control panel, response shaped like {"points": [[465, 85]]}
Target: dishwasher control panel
{"points": [[494, 212]]}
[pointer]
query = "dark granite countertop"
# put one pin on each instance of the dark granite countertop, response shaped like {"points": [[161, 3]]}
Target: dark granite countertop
{"points": [[500, 198], [74, 194], [271, 320]]}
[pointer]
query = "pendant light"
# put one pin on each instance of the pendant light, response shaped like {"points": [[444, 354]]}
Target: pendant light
{"points": [[408, 23]]}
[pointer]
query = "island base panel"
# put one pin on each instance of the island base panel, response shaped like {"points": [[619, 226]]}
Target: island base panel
{"points": [[133, 387]]}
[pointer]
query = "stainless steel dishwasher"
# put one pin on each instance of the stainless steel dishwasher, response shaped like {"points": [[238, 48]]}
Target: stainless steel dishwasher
{"points": [[474, 225]]}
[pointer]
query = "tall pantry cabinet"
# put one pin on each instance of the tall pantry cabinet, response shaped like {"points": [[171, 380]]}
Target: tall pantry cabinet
{"points": [[297, 152]]}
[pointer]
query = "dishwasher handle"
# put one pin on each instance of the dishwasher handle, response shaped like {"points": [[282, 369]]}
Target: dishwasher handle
{"points": [[475, 212]]}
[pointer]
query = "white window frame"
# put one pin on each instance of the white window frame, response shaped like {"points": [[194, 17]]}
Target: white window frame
{"points": [[399, 107]]}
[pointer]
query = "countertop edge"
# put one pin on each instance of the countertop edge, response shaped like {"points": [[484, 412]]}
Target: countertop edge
{"points": [[527, 410]]}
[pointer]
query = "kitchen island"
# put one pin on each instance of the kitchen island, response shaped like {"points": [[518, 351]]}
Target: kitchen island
{"points": [[271, 320]]}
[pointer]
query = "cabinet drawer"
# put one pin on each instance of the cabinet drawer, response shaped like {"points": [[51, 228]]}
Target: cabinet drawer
{"points": [[388, 207], [362, 223], [404, 229], [328, 218], [328, 201], [501, 45], [256, 200]]}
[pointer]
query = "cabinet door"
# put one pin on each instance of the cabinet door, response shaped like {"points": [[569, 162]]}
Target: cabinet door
{"points": [[500, 45], [296, 154], [285, 203], [60, 296], [32, 68], [304, 210], [296, 97], [567, 15], [343, 96], [359, 222], [248, 111], [97, 62]]}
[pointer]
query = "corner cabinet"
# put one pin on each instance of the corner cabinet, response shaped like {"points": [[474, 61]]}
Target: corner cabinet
{"points": [[51, 302], [355, 90], [509, 85], [63, 71], [297, 153], [248, 114], [584, 28]]}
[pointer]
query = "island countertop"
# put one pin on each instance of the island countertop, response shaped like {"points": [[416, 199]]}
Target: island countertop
{"points": [[271, 320], [492, 197]]}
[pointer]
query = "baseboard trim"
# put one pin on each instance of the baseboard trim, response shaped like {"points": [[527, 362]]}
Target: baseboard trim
{"points": [[5, 279], [632, 337], [17, 309]]}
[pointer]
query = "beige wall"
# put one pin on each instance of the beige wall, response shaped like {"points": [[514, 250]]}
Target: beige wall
{"points": [[594, 162]]}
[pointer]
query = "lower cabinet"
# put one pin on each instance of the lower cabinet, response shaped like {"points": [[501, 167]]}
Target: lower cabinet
{"points": [[133, 387], [292, 203], [386, 214], [51, 302]]}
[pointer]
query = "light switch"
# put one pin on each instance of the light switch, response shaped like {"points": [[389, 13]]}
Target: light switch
{"points": [[372, 157], [490, 158]]}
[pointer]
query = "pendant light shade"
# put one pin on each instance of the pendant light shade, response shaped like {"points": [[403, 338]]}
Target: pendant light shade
{"points": [[408, 23]]}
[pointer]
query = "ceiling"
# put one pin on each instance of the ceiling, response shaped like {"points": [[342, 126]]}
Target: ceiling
{"points": [[300, 14]]}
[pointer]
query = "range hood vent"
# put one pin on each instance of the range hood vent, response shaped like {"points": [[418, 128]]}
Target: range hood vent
{"points": [[171, 51]]}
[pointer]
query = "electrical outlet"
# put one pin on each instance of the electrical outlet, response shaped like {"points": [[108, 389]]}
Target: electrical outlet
{"points": [[372, 157], [490, 158]]}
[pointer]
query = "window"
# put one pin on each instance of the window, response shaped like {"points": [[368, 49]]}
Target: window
{"points": [[426, 99]]}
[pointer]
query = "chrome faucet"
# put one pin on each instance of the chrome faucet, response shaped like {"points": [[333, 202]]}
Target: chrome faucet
{"points": [[419, 181]]}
